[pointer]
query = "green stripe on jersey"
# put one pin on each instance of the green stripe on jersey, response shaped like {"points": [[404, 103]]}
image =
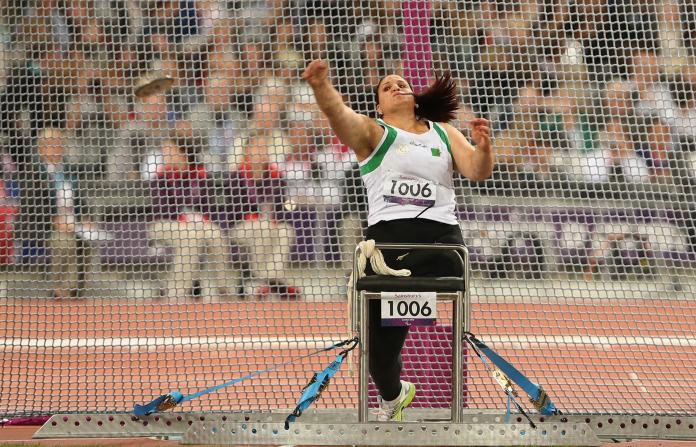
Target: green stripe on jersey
{"points": [[443, 135], [381, 151]]}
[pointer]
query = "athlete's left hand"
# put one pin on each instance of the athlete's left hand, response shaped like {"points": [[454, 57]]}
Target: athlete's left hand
{"points": [[480, 132]]}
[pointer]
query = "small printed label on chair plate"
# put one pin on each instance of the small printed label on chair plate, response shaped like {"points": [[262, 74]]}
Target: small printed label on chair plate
{"points": [[408, 308]]}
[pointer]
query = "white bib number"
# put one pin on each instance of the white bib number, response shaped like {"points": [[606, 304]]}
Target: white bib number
{"points": [[408, 308], [409, 190]]}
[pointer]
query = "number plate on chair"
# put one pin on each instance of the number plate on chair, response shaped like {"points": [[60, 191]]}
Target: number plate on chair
{"points": [[408, 308]]}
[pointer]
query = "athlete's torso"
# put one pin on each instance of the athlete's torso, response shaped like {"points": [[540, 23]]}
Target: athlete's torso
{"points": [[409, 175]]}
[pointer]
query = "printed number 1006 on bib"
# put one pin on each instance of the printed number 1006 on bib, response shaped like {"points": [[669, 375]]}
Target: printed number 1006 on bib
{"points": [[409, 190], [408, 308]]}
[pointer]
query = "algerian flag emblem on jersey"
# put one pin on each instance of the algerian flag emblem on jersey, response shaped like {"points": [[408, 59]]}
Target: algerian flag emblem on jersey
{"points": [[435, 151]]}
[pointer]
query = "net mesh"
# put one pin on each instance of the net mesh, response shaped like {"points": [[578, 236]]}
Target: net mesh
{"points": [[175, 210]]}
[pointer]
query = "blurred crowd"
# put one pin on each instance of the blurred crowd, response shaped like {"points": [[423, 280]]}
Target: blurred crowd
{"points": [[573, 87], [577, 91]]}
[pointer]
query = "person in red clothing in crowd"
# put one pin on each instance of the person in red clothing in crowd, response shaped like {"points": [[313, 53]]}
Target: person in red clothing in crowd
{"points": [[181, 209], [257, 187]]}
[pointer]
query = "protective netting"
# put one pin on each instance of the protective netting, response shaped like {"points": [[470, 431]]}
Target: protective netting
{"points": [[175, 211]]}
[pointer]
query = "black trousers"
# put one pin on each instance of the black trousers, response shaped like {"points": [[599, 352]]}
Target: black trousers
{"points": [[385, 343]]}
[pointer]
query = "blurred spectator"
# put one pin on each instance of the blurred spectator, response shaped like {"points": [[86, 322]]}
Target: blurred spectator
{"points": [[326, 28], [216, 121], [226, 60], [611, 31], [53, 219], [101, 104], [654, 95], [541, 139], [254, 153], [175, 37], [542, 167], [314, 172], [514, 128], [270, 101], [656, 146], [288, 66], [315, 167], [662, 121], [149, 123], [373, 66], [266, 243], [503, 61], [386, 15], [671, 101], [300, 166], [616, 159], [50, 69], [673, 52], [255, 16], [182, 223], [286, 46], [264, 140], [285, 34], [453, 36], [371, 60], [558, 54], [90, 119], [265, 240], [570, 109], [316, 39], [620, 100], [257, 59], [170, 22], [524, 112], [628, 149], [683, 126]]}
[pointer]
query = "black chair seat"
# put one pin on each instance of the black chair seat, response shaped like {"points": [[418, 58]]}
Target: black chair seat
{"points": [[386, 283]]}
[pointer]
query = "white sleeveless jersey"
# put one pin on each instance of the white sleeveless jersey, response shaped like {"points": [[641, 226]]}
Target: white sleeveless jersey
{"points": [[410, 175]]}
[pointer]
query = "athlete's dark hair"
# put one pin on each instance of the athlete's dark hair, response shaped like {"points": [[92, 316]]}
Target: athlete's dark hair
{"points": [[438, 103]]}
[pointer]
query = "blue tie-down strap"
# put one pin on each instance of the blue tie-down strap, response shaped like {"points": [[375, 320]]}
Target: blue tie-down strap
{"points": [[318, 383], [168, 401], [312, 391], [537, 395], [162, 403]]}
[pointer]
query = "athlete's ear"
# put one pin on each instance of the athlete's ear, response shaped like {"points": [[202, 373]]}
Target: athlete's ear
{"points": [[379, 110]]}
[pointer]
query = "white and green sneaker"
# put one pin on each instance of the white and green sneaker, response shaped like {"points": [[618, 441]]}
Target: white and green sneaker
{"points": [[394, 410]]}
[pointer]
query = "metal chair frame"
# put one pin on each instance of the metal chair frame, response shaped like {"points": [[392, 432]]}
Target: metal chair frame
{"points": [[460, 322]]}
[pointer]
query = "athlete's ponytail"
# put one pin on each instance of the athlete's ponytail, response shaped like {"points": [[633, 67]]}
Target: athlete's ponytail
{"points": [[440, 101]]}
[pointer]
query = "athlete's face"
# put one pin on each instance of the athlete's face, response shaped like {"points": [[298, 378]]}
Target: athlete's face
{"points": [[394, 94]]}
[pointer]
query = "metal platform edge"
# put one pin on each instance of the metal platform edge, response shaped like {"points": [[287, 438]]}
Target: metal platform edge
{"points": [[118, 425], [385, 433], [176, 424], [164, 425]]}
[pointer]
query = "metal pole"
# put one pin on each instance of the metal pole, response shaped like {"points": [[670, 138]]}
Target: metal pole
{"points": [[467, 289], [457, 324], [364, 351], [465, 309]]}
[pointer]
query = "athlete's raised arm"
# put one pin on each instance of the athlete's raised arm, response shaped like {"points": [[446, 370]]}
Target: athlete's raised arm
{"points": [[356, 131]]}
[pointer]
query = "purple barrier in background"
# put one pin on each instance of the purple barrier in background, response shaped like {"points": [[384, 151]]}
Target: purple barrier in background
{"points": [[578, 237]]}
